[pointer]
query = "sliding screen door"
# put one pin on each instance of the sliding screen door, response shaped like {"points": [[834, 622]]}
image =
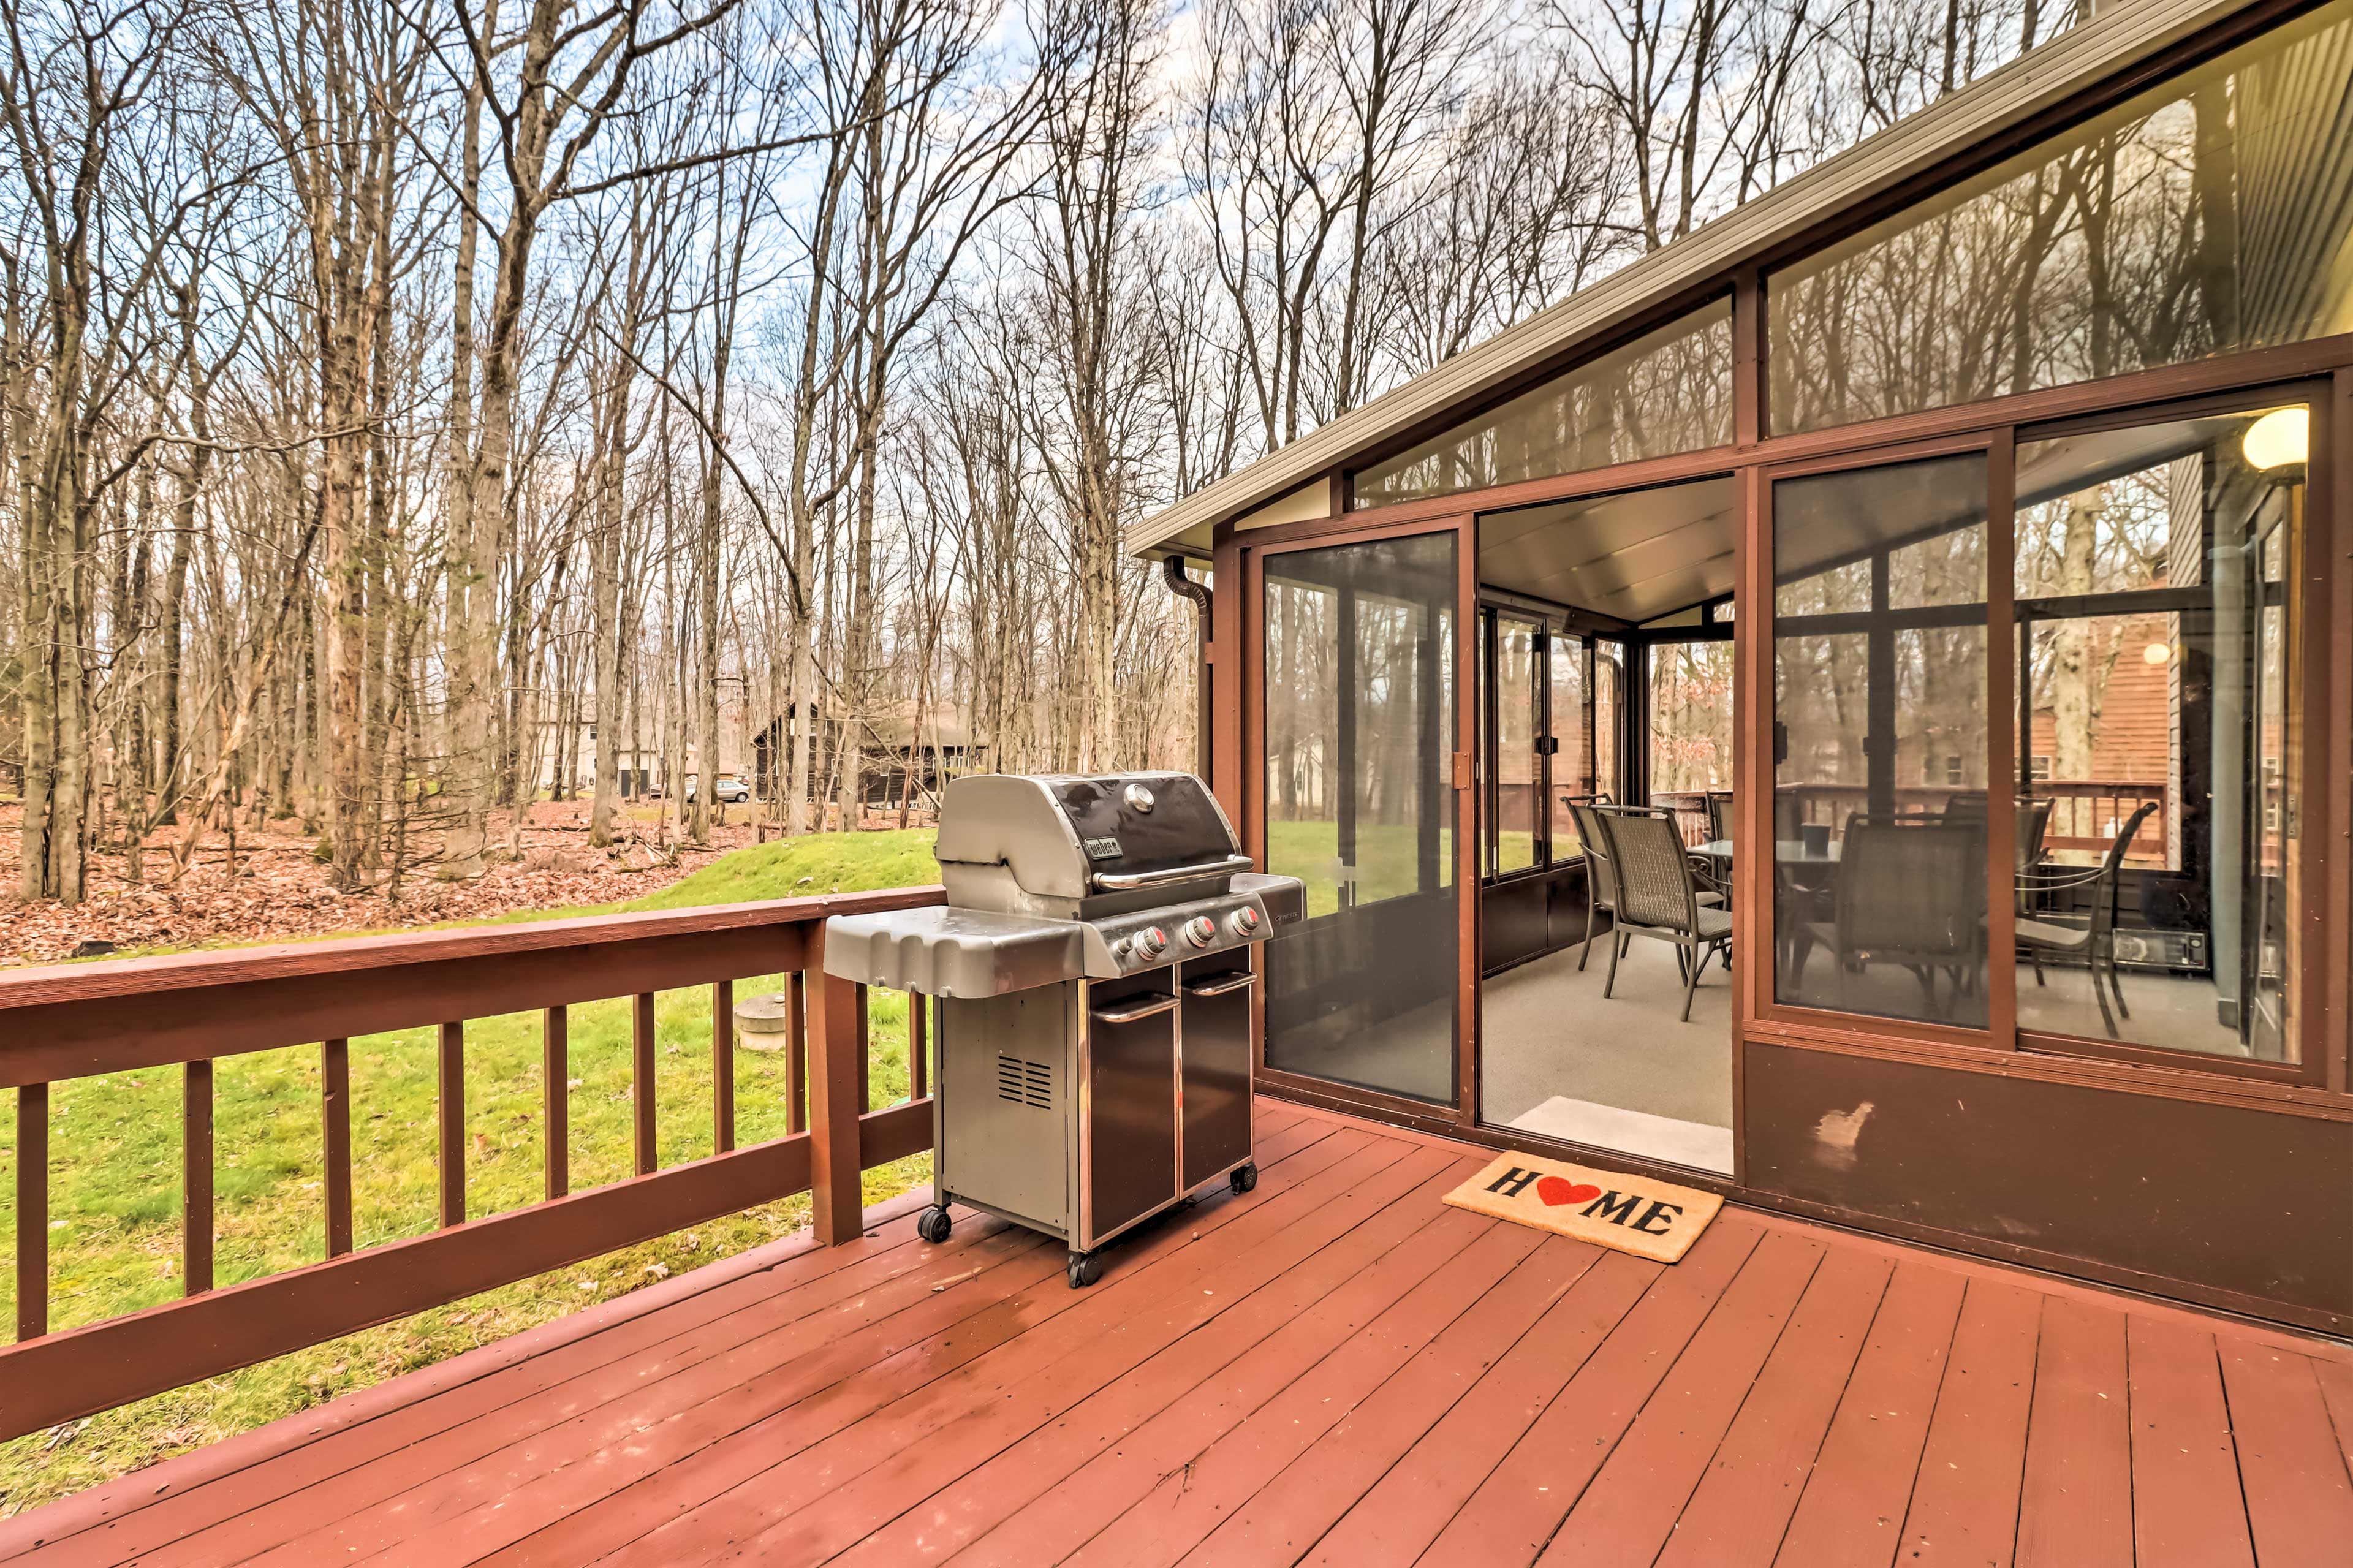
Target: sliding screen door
{"points": [[1882, 742], [1360, 659]]}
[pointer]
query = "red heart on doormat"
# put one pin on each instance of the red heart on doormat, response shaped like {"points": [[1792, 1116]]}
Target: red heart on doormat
{"points": [[1558, 1190]]}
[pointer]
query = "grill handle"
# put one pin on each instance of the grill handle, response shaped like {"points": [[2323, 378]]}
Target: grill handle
{"points": [[1146, 1007], [1122, 882], [1221, 984]]}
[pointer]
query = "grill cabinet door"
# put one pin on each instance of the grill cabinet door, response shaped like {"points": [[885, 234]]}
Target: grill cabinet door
{"points": [[1217, 1024], [1131, 1114]]}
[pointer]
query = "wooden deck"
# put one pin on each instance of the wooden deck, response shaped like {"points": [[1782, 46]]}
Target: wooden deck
{"points": [[1336, 1369]]}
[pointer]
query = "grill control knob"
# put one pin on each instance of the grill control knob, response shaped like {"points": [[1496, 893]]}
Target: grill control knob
{"points": [[1244, 922], [1152, 941], [1201, 931]]}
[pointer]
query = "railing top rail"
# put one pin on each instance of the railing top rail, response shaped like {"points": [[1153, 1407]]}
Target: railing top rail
{"points": [[2098, 787], [2140, 786], [41, 985], [62, 1021]]}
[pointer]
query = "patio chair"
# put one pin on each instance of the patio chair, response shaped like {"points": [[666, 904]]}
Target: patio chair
{"points": [[2034, 820], [1802, 894], [1717, 806], [2096, 939], [1600, 883], [1601, 875], [1658, 896], [1910, 891]]}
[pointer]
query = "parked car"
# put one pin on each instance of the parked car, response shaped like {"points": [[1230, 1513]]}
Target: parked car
{"points": [[728, 790]]}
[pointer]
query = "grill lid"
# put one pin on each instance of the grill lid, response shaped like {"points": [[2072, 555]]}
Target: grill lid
{"points": [[1067, 836]]}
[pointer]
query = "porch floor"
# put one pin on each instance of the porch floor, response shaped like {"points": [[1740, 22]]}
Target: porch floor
{"points": [[1335, 1369]]}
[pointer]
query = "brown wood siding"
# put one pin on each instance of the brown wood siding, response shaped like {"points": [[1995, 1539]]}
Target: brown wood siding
{"points": [[2186, 1197]]}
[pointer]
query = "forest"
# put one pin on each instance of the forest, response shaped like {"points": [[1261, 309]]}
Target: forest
{"points": [[415, 407]]}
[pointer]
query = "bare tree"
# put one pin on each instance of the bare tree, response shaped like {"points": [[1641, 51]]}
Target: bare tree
{"points": [[1308, 123], [566, 82], [71, 91]]}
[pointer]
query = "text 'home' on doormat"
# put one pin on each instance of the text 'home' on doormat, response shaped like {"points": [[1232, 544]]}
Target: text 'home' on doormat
{"points": [[1656, 1220]]}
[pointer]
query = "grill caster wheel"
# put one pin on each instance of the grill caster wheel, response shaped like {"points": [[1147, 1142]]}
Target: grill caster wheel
{"points": [[933, 1225], [1085, 1270], [1245, 1178]]}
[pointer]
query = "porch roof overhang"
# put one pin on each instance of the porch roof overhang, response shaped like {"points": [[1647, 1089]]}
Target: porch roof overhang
{"points": [[1767, 228]]}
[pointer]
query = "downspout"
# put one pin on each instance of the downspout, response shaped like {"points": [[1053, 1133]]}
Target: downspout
{"points": [[1172, 574]]}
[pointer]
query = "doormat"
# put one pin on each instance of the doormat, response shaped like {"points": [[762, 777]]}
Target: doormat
{"points": [[1656, 1220]]}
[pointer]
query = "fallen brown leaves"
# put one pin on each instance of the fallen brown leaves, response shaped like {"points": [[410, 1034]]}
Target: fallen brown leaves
{"points": [[278, 889]]}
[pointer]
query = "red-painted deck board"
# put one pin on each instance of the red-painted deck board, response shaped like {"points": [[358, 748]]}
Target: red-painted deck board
{"points": [[1336, 1369]]}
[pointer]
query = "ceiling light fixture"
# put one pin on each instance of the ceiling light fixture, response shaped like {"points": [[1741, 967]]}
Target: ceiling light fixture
{"points": [[2279, 440]]}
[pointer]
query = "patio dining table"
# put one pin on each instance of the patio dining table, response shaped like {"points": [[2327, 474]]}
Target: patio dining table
{"points": [[1786, 852]]}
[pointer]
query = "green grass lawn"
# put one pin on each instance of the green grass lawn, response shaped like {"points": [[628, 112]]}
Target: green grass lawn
{"points": [[1389, 858], [828, 863], [115, 1153]]}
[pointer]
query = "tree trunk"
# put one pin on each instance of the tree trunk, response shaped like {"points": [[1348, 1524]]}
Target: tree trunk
{"points": [[2074, 709]]}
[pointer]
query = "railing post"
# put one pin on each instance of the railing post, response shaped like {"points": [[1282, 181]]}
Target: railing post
{"points": [[919, 1061], [641, 1082], [196, 1179], [32, 1211], [863, 1032], [556, 1098], [796, 1052], [835, 1203], [450, 1114], [723, 1067], [335, 1118]]}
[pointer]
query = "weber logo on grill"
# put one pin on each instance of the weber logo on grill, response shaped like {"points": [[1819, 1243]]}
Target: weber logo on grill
{"points": [[1102, 849]]}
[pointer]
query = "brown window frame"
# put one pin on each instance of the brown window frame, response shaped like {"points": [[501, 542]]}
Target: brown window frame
{"points": [[2318, 582], [1755, 872], [2321, 371], [1245, 557], [2318, 1018]]}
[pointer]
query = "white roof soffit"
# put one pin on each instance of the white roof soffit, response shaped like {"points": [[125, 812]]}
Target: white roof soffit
{"points": [[2124, 36]]}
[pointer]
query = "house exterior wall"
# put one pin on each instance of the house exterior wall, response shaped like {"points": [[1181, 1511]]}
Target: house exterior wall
{"points": [[2225, 1183]]}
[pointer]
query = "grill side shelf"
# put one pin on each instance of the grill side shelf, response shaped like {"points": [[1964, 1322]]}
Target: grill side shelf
{"points": [[950, 951]]}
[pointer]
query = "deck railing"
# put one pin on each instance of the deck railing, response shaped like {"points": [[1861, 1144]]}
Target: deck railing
{"points": [[2086, 812], [86, 1020]]}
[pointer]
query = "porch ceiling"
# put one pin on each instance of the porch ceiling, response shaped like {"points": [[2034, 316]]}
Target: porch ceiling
{"points": [[1641, 555], [1636, 555]]}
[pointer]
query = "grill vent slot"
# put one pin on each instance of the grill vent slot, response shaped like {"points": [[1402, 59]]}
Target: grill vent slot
{"points": [[1021, 1082]]}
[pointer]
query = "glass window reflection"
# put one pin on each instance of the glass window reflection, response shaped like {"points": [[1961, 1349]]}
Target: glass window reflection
{"points": [[1517, 771], [2158, 722], [1669, 391], [1571, 718], [2211, 214]]}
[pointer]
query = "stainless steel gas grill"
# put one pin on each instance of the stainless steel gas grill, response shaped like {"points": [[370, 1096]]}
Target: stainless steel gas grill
{"points": [[1093, 968]]}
